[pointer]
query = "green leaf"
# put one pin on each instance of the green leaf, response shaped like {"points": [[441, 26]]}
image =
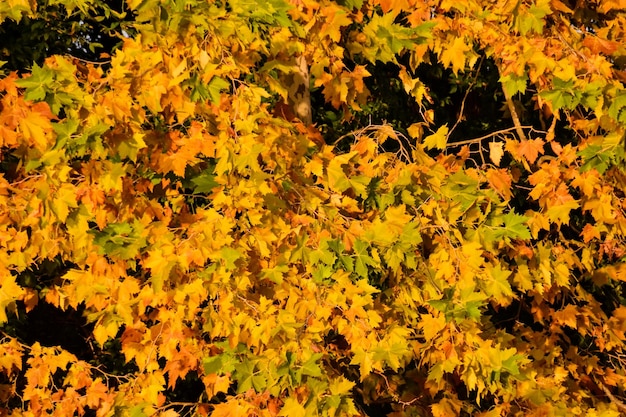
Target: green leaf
{"points": [[215, 87], [205, 182], [337, 179], [387, 38], [510, 225], [138, 410], [532, 20], [64, 132], [230, 256], [275, 274], [311, 367], [594, 156], [362, 259], [498, 286], [123, 240], [37, 83], [514, 84], [564, 94], [462, 190], [129, 148], [617, 109], [212, 365], [510, 364]]}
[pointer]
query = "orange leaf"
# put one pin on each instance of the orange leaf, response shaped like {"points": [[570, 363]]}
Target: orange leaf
{"points": [[36, 126], [531, 149], [600, 46], [590, 232], [500, 180], [567, 316]]}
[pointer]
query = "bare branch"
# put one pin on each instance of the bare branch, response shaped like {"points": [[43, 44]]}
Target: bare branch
{"points": [[491, 135], [618, 403], [514, 116]]}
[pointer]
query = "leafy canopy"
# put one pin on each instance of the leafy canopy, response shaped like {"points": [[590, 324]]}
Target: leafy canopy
{"points": [[447, 237]]}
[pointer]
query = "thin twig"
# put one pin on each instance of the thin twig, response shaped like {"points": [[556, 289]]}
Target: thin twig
{"points": [[490, 135], [620, 405]]}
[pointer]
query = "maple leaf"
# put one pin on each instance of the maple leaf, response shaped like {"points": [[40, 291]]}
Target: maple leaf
{"points": [[501, 181], [498, 285], [455, 54], [36, 126], [513, 83], [589, 233], [567, 316], [437, 140], [445, 407], [292, 407], [531, 149]]}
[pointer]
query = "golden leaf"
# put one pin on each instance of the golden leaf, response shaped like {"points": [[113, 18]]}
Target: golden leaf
{"points": [[455, 55]]}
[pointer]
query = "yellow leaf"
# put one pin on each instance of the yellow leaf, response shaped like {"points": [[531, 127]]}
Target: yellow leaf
{"points": [[608, 5], [501, 180], [566, 316], [337, 179], [64, 198], [602, 209], [559, 213], [416, 130], [446, 408], [232, 408], [160, 263], [437, 140], [364, 360], [9, 293], [36, 126], [292, 408], [10, 356], [560, 6], [431, 325], [455, 55], [107, 327], [340, 386], [334, 19]]}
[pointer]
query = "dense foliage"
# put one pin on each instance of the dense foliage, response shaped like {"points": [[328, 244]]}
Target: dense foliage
{"points": [[312, 207]]}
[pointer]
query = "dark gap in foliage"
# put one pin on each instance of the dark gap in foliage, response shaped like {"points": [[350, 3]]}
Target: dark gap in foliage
{"points": [[51, 326], [83, 35]]}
